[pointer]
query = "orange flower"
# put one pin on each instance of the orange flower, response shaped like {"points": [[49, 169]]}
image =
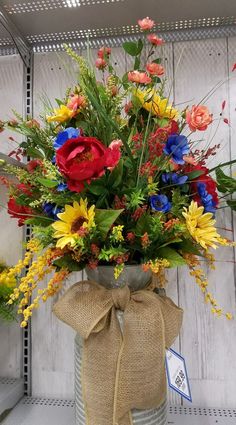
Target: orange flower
{"points": [[154, 40], [146, 24], [155, 69], [76, 101], [139, 77], [198, 118]]}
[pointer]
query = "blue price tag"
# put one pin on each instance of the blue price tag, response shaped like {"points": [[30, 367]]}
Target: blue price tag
{"points": [[177, 374]]}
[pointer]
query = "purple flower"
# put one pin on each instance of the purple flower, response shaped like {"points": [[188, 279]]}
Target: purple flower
{"points": [[207, 199], [63, 136], [51, 210], [173, 178], [160, 203], [176, 146]]}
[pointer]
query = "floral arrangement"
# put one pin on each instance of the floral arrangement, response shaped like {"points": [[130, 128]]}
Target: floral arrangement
{"points": [[7, 285], [115, 179]]}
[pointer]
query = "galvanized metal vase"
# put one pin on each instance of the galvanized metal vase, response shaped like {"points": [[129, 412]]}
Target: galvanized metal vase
{"points": [[136, 279]]}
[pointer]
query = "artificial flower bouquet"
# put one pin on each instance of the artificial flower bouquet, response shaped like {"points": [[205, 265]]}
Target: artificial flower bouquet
{"points": [[115, 178]]}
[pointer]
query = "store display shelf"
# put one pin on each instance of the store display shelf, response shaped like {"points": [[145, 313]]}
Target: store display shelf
{"points": [[11, 391], [40, 411]]}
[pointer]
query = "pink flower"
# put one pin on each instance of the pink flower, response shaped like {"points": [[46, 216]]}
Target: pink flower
{"points": [[128, 107], [154, 40], [100, 63], [155, 69], [115, 153], [198, 118], [145, 24], [104, 52], [139, 77], [76, 101]]}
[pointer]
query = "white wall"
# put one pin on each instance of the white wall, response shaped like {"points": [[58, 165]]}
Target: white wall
{"points": [[11, 96], [208, 343]]}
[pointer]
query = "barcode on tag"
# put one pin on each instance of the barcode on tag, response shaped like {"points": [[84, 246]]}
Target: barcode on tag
{"points": [[177, 374]]}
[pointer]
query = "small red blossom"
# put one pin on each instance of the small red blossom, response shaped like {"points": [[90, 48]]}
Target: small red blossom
{"points": [[139, 77], [128, 107], [155, 69], [234, 67], [104, 52], [139, 212], [95, 250], [148, 169], [154, 40], [146, 23], [223, 105], [130, 237], [32, 165], [82, 232], [17, 153], [145, 241], [120, 259], [92, 264], [170, 223], [5, 181], [119, 203], [226, 121], [100, 63]]}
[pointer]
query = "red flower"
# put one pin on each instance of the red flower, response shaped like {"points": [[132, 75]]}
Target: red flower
{"points": [[83, 159], [139, 77], [204, 178], [15, 210], [32, 165], [155, 69]]}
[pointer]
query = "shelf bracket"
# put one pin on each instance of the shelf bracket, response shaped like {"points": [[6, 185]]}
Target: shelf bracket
{"points": [[18, 39]]}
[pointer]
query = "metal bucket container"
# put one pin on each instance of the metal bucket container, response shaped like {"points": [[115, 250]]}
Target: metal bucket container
{"points": [[136, 279]]}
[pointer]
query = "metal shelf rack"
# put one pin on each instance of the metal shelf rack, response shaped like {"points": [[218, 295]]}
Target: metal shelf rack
{"points": [[40, 411], [11, 391]]}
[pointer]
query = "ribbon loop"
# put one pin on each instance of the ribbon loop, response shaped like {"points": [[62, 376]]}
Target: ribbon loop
{"points": [[120, 297]]}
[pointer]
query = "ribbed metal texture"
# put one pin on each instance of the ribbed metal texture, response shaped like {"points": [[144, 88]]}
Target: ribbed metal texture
{"points": [[146, 417]]}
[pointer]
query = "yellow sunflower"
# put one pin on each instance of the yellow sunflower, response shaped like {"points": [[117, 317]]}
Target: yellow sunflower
{"points": [[201, 226], [156, 104], [61, 114], [73, 222]]}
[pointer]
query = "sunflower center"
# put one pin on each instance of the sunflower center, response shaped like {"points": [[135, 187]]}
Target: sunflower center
{"points": [[77, 224]]}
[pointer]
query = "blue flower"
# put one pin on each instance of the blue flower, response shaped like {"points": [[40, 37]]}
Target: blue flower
{"points": [[207, 199], [173, 178], [177, 146], [160, 203], [51, 210], [63, 136], [61, 187]]}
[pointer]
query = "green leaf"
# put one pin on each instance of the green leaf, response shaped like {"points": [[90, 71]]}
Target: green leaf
{"points": [[232, 204], [139, 46], [39, 221], [34, 153], [144, 224], [47, 182], [59, 102], [67, 262], [96, 188], [188, 246], [194, 174], [225, 184], [158, 61], [131, 48], [116, 175], [104, 219], [174, 258]]}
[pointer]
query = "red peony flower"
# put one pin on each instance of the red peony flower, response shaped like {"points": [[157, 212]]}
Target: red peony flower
{"points": [[84, 159], [15, 210]]}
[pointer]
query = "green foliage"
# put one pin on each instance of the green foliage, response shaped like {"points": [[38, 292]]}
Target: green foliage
{"points": [[47, 182], [104, 219], [67, 262], [174, 258], [225, 184], [133, 48], [178, 202]]}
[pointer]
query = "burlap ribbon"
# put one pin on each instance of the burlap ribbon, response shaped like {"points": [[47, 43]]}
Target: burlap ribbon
{"points": [[120, 370]]}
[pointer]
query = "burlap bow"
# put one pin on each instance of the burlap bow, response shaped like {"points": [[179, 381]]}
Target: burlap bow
{"points": [[120, 370]]}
